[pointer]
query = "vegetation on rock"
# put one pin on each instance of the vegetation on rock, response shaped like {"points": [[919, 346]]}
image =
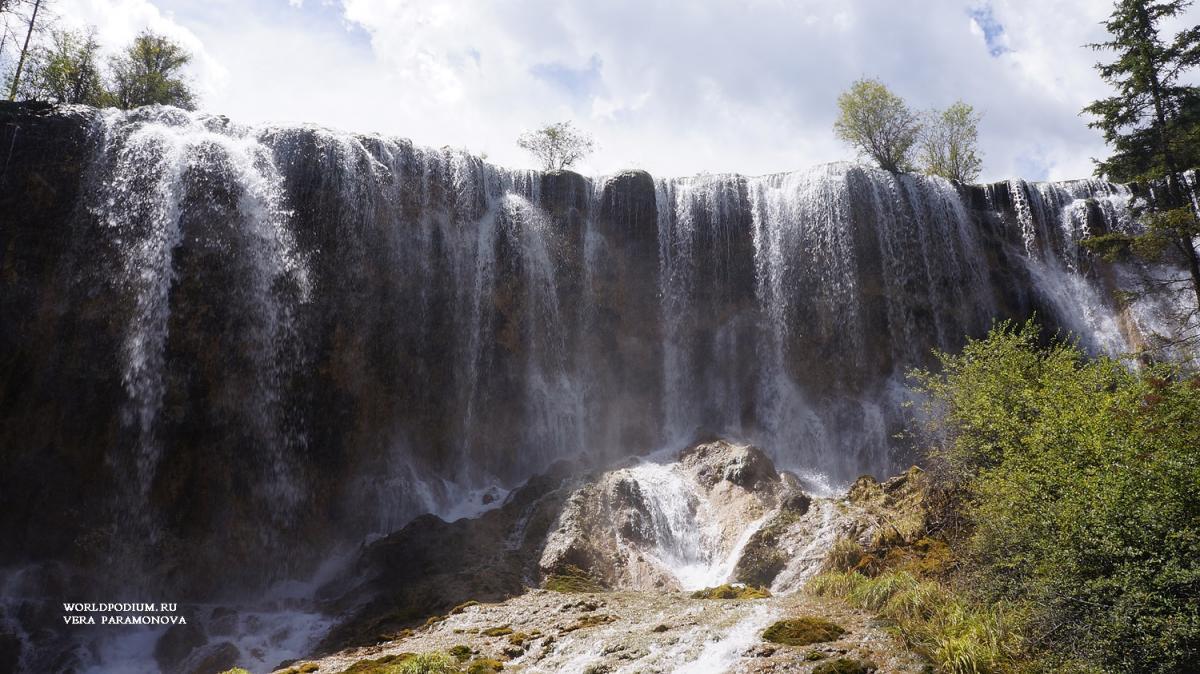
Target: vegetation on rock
{"points": [[845, 666], [732, 591], [485, 666], [572, 579], [592, 620], [802, 631]]}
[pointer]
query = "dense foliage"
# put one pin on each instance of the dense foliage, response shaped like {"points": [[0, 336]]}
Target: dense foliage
{"points": [[64, 68], [1082, 487]]}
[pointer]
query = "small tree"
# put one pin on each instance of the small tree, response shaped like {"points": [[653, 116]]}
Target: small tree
{"points": [[877, 123], [149, 72], [65, 71], [950, 143], [32, 26], [557, 146]]}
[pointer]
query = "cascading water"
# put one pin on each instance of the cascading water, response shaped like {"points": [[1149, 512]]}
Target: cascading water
{"points": [[312, 335]]}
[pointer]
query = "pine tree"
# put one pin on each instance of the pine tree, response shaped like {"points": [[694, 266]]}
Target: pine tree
{"points": [[1153, 126]]}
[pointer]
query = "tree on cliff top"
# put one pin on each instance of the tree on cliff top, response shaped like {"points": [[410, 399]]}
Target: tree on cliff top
{"points": [[1153, 125], [950, 143], [65, 70], [149, 72], [877, 123], [557, 146]]}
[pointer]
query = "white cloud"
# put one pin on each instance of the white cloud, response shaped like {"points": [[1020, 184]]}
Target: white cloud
{"points": [[676, 87]]}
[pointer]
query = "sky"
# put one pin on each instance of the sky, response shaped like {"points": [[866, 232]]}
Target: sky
{"points": [[675, 87]]}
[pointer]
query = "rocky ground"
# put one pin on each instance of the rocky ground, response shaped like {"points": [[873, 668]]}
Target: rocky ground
{"points": [[598, 573], [625, 631]]}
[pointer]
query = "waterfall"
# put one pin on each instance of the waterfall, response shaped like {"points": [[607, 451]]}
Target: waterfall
{"points": [[306, 334], [442, 328]]}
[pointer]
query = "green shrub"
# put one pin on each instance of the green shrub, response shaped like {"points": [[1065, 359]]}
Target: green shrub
{"points": [[1081, 484]]}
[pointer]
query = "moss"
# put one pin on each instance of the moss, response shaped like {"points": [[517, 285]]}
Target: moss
{"points": [[497, 631], [485, 666], [463, 606], [388, 664], [802, 631], [845, 666], [433, 620], [308, 668], [519, 638], [813, 656], [590, 621], [235, 670], [732, 591], [572, 579], [461, 652], [428, 663]]}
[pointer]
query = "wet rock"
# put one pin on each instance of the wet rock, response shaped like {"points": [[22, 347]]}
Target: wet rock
{"points": [[214, 659], [697, 506], [177, 644]]}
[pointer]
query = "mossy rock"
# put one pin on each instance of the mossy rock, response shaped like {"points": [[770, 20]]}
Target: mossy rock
{"points": [[308, 668], [590, 621], [497, 631], [384, 665], [572, 579], [845, 666], [461, 652], [485, 666], [519, 638], [732, 591], [802, 631], [462, 607]]}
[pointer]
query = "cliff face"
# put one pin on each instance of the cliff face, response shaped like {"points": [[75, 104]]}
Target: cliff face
{"points": [[217, 341]]}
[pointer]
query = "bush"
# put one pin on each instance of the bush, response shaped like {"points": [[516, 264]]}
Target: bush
{"points": [[1082, 485]]}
